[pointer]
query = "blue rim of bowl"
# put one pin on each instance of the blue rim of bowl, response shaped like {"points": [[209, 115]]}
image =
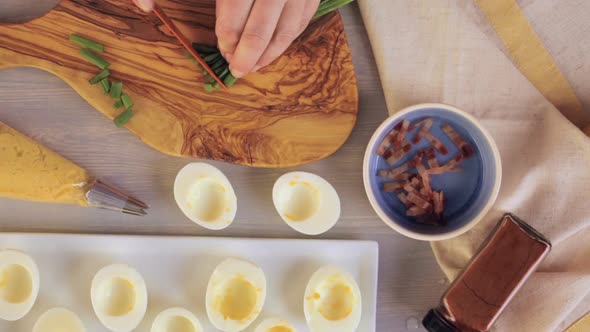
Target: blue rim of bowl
{"points": [[394, 224]]}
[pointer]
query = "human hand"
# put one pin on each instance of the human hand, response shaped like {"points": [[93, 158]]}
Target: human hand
{"points": [[253, 33]]}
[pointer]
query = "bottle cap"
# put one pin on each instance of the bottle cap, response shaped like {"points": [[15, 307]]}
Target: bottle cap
{"points": [[435, 322]]}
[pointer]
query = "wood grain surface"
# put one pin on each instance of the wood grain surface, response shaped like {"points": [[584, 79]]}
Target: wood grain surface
{"points": [[43, 106], [299, 109]]}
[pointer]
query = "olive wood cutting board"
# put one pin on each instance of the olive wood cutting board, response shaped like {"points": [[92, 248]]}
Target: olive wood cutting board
{"points": [[299, 109]]}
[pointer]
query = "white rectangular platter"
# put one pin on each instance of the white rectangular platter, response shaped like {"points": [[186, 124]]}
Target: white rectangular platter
{"points": [[176, 270]]}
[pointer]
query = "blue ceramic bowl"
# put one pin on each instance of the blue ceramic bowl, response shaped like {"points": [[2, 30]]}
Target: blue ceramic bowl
{"points": [[470, 193]]}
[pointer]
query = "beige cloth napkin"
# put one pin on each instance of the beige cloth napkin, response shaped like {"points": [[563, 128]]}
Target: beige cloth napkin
{"points": [[446, 51]]}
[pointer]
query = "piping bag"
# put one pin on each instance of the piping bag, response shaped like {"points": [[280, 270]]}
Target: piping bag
{"points": [[30, 171]]}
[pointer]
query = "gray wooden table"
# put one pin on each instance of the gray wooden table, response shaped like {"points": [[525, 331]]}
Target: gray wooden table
{"points": [[41, 105]]}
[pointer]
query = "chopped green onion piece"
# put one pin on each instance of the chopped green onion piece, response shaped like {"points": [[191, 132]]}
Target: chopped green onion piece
{"points": [[94, 58], [123, 117], [224, 73], [100, 76], [85, 42], [328, 6], [190, 56], [208, 76], [116, 89], [216, 86], [208, 87], [230, 80], [118, 104], [219, 64], [220, 70], [205, 49], [127, 101], [212, 57], [105, 85]]}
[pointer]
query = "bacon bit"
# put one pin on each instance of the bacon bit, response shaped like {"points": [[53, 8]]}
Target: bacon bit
{"points": [[404, 176], [419, 201], [431, 157], [426, 183], [438, 201], [394, 155], [410, 189], [390, 187], [426, 194], [393, 173], [388, 140], [463, 146], [414, 190], [402, 134], [436, 143], [415, 211], [446, 167], [420, 164], [424, 177], [416, 182], [404, 199], [426, 124]]}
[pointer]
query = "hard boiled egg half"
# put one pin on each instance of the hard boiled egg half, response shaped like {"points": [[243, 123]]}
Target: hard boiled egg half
{"points": [[59, 320], [306, 202], [119, 297], [19, 284], [332, 301], [205, 196], [275, 325], [176, 320], [235, 295]]}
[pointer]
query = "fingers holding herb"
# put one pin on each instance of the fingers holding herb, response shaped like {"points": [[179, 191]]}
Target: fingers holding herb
{"points": [[257, 34], [231, 20], [288, 28], [229, 31]]}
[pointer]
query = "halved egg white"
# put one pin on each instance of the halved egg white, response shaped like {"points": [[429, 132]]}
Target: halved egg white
{"points": [[119, 297], [19, 284], [235, 295], [332, 301], [59, 320], [176, 320], [205, 196], [274, 324], [306, 202]]}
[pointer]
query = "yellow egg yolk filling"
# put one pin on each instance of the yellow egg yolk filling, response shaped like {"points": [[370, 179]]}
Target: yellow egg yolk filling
{"points": [[335, 300], [30, 171], [280, 328], [303, 201], [16, 285], [119, 297], [207, 199], [179, 324], [238, 299]]}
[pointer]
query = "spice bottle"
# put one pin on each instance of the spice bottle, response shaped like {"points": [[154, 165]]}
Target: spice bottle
{"points": [[506, 259]]}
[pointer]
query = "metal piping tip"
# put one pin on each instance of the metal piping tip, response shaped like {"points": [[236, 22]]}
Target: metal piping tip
{"points": [[103, 196]]}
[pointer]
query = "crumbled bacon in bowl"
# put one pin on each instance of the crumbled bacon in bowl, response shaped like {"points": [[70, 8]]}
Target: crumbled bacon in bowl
{"points": [[431, 171], [412, 179]]}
